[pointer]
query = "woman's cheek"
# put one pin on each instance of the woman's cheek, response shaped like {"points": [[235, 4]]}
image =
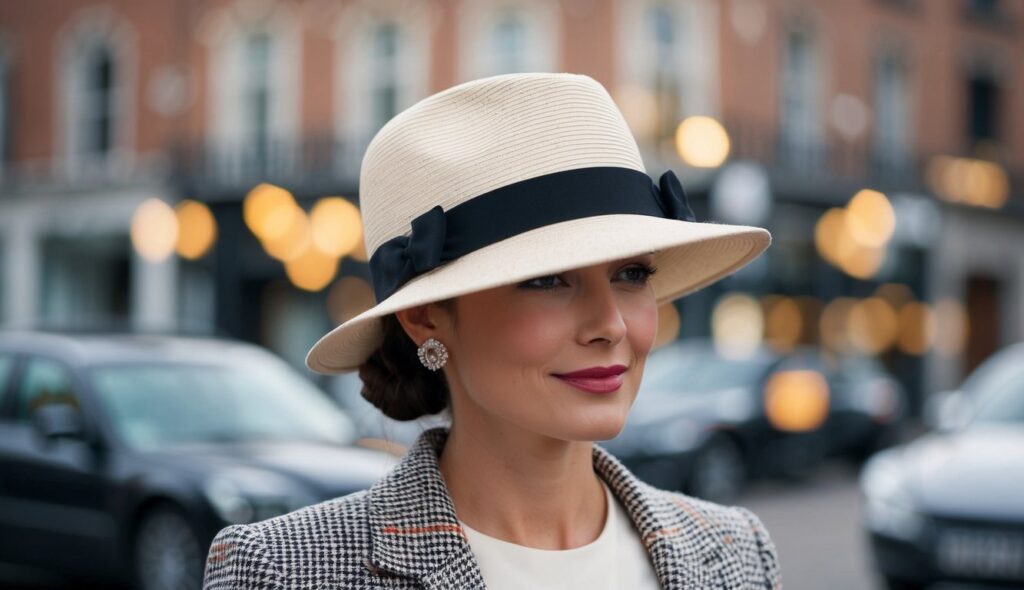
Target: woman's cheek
{"points": [[643, 328], [534, 336]]}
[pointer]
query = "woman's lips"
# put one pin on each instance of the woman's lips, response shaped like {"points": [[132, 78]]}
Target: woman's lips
{"points": [[595, 379]]}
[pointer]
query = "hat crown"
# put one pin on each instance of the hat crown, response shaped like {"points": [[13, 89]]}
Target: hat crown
{"points": [[482, 135]]}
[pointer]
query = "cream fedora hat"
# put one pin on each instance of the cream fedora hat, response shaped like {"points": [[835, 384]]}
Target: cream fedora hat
{"points": [[507, 178]]}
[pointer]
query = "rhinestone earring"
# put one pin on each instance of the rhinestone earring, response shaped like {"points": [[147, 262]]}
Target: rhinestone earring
{"points": [[432, 354]]}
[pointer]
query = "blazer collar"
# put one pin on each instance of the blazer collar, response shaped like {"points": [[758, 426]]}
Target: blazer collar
{"points": [[416, 534]]}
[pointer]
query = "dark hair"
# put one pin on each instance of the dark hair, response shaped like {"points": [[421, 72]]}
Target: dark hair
{"points": [[396, 383]]}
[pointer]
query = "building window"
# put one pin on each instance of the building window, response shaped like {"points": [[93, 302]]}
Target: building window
{"points": [[667, 83], [95, 89], [95, 60], [256, 93], [254, 84], [983, 105], [384, 70], [800, 120], [509, 45], [892, 113], [508, 36]]}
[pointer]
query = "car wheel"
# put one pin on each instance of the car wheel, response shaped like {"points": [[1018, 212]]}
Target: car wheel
{"points": [[167, 552], [718, 471]]}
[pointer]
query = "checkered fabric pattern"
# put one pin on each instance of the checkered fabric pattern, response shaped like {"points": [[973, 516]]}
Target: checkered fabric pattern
{"points": [[402, 533]]}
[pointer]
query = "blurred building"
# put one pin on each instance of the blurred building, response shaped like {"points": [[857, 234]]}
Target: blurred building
{"points": [[791, 108]]}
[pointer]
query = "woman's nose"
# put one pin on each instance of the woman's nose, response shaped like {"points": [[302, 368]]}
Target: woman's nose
{"points": [[600, 318]]}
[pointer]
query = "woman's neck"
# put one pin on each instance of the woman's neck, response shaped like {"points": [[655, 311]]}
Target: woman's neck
{"points": [[523, 487]]}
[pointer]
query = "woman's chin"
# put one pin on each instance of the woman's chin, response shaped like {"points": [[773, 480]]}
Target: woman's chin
{"points": [[596, 428]]}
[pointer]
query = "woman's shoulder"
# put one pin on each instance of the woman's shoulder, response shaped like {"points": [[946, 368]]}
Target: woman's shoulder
{"points": [[320, 543]]}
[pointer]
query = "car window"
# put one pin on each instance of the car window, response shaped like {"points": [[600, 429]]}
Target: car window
{"points": [[43, 382], [700, 371], [161, 404]]}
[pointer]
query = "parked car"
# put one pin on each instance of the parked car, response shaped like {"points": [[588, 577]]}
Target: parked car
{"points": [[122, 456], [704, 423], [869, 408], [949, 506], [699, 423]]}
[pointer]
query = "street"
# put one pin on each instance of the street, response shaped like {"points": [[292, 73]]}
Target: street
{"points": [[815, 526]]}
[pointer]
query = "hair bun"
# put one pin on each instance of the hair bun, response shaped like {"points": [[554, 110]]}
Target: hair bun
{"points": [[396, 383]]}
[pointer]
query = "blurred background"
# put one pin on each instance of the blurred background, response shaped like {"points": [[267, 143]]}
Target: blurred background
{"points": [[179, 209]]}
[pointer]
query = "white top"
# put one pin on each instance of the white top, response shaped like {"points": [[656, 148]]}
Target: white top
{"points": [[616, 559]]}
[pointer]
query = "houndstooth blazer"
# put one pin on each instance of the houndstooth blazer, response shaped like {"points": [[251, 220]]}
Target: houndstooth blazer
{"points": [[402, 533]]}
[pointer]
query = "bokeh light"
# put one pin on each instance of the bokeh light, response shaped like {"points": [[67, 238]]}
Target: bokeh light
{"points": [[336, 226], [312, 270], [737, 325], [796, 400], [702, 142], [783, 322], [295, 241], [833, 324], [154, 230], [872, 325], [837, 242], [870, 218], [269, 210], [969, 181], [916, 328], [197, 229]]}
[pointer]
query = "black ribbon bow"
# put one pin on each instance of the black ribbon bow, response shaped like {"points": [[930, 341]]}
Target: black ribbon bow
{"points": [[673, 198], [402, 258]]}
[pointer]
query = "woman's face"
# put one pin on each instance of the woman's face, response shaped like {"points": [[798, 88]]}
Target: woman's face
{"points": [[559, 355]]}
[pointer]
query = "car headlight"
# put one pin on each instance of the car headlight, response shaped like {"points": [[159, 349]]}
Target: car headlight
{"points": [[888, 508], [242, 496]]}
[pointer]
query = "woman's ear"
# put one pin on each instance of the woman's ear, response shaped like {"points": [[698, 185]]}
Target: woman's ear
{"points": [[424, 321]]}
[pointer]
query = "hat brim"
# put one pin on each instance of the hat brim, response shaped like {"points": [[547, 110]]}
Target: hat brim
{"points": [[688, 256]]}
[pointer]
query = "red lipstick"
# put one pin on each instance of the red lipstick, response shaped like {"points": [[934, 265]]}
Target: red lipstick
{"points": [[595, 379]]}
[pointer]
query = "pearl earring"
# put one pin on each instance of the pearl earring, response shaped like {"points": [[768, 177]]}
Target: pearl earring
{"points": [[432, 354]]}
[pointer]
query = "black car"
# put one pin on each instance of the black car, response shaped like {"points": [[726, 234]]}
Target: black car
{"points": [[122, 456], [949, 506], [700, 422], [704, 422]]}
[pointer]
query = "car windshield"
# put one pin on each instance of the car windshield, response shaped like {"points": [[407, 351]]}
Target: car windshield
{"points": [[158, 405], [700, 372], [1000, 396]]}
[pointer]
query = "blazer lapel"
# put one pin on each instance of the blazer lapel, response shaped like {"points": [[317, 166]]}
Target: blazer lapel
{"points": [[416, 534], [413, 527], [686, 550]]}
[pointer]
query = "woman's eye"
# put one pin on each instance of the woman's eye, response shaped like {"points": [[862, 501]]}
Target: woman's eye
{"points": [[545, 282], [638, 273]]}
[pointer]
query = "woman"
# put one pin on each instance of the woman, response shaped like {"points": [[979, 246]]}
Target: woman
{"points": [[519, 252]]}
